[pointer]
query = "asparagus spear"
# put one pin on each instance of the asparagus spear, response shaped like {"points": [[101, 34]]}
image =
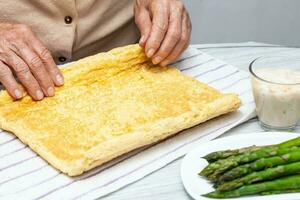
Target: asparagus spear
{"points": [[268, 174], [223, 165], [290, 143], [281, 184], [260, 164], [280, 191], [225, 154]]}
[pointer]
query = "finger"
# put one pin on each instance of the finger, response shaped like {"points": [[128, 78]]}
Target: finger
{"points": [[173, 34], [46, 58], [9, 82], [182, 44], [159, 27], [189, 28], [23, 73], [143, 21], [37, 67]]}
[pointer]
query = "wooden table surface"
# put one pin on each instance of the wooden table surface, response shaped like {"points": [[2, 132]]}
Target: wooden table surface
{"points": [[165, 184]]}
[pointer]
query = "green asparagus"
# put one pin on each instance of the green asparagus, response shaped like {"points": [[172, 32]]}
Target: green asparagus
{"points": [[225, 154], [214, 156], [281, 184], [280, 191], [260, 164], [290, 143], [223, 165], [268, 174]]}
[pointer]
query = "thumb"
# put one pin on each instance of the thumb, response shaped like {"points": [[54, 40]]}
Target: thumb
{"points": [[143, 21]]}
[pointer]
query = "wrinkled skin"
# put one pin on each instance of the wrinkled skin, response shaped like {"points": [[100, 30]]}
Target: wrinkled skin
{"points": [[165, 28], [23, 55]]}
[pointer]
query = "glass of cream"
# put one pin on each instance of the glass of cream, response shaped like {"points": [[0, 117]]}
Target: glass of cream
{"points": [[276, 90]]}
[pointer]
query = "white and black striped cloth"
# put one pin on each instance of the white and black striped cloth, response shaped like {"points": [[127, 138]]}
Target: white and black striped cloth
{"points": [[24, 175]]}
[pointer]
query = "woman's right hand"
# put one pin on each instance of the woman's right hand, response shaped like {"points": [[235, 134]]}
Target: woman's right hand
{"points": [[22, 54]]}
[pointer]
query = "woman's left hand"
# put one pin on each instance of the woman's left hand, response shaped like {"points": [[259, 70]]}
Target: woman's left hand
{"points": [[165, 28]]}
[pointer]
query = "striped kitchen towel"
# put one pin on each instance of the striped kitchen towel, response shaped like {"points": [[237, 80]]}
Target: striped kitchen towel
{"points": [[24, 175]]}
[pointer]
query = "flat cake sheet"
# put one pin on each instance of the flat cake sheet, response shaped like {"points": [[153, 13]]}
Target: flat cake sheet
{"points": [[24, 175]]}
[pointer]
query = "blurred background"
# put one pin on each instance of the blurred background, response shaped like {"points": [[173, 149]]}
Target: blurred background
{"points": [[229, 21]]}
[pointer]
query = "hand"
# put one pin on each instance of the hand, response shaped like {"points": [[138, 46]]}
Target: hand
{"points": [[22, 54], [165, 29]]}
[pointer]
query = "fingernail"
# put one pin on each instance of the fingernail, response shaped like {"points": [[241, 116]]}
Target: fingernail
{"points": [[142, 40], [39, 94], [18, 94], [59, 79], [164, 63], [157, 60], [50, 91], [150, 53]]}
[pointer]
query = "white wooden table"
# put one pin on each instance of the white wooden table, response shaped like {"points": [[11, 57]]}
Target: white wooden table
{"points": [[165, 184]]}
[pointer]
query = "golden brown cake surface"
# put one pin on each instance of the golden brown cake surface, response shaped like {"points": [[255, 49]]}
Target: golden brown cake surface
{"points": [[111, 103]]}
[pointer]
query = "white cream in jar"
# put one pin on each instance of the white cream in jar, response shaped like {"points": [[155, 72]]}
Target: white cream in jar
{"points": [[277, 96]]}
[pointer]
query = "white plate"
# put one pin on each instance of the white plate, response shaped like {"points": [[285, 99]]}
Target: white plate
{"points": [[193, 163]]}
